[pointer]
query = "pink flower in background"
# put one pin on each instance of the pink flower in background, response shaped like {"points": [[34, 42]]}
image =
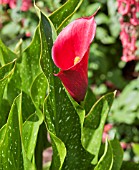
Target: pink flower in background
{"points": [[4, 1], [128, 55], [132, 44], [125, 145], [123, 6], [107, 128], [12, 3], [129, 22], [28, 34], [128, 39], [26, 4], [134, 20], [124, 37]]}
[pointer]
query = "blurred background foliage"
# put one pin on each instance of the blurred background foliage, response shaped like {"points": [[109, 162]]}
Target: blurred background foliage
{"points": [[106, 70]]}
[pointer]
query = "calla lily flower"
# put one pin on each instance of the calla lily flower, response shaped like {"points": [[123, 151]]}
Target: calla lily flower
{"points": [[70, 53]]}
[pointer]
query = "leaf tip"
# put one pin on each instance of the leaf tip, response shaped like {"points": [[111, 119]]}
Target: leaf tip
{"points": [[115, 93]]}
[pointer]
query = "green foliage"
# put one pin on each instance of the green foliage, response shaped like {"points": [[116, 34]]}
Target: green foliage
{"points": [[94, 123], [127, 104], [21, 72], [106, 160], [136, 148], [61, 17], [129, 165], [10, 145], [4, 51], [112, 156]]}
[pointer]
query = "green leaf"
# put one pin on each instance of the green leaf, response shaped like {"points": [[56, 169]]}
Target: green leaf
{"points": [[59, 152], [3, 83], [94, 123], [6, 55], [28, 107], [135, 147], [61, 16], [4, 111], [30, 132], [117, 154], [129, 165], [16, 145], [63, 122], [89, 101], [39, 90], [90, 8], [127, 104], [103, 36], [15, 27], [4, 70], [114, 21], [27, 68], [2, 133], [101, 18], [10, 146], [5, 74], [38, 94], [106, 161], [32, 124], [115, 75]]}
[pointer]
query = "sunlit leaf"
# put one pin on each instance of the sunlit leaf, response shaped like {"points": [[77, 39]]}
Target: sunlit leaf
{"points": [[6, 69], [129, 165], [5, 74], [135, 147], [6, 55], [38, 94], [114, 23], [117, 154], [94, 124], [106, 161], [62, 15], [39, 90], [127, 104], [89, 100], [10, 146]]}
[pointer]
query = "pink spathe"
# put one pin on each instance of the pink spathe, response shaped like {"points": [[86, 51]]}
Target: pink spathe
{"points": [[26, 4], [73, 43]]}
